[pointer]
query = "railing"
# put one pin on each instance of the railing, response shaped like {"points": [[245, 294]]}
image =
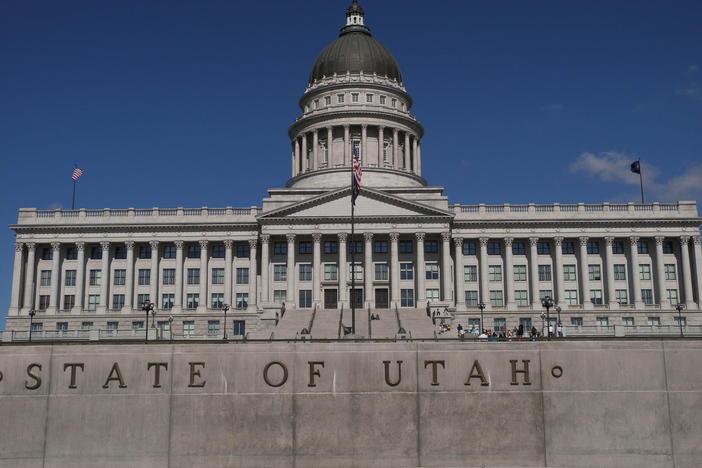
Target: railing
{"points": [[690, 207], [26, 213]]}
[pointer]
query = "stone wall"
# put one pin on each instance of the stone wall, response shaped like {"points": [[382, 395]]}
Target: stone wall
{"points": [[596, 404]]}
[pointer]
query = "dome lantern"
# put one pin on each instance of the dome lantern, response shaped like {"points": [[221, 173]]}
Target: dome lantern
{"points": [[354, 14]]}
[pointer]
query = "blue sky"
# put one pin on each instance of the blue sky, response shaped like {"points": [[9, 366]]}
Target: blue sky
{"points": [[175, 103]]}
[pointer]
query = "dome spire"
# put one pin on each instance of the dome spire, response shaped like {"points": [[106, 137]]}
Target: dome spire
{"points": [[354, 14]]}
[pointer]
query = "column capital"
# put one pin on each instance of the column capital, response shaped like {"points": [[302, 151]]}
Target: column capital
{"points": [[395, 130], [420, 236], [458, 242], [179, 244], [203, 243], [265, 238], [317, 237], [368, 236], [342, 236], [558, 241], [609, 240], [394, 236], [697, 240], [446, 236], [154, 244], [57, 245], [347, 127], [533, 241], [684, 240], [381, 127], [32, 245], [634, 240], [104, 245], [365, 125], [329, 128], [509, 241], [254, 241], [228, 243], [583, 241], [19, 246], [290, 237], [659, 240], [484, 241]]}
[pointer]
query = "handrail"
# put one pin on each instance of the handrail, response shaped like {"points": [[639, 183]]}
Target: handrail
{"points": [[341, 317], [399, 322], [369, 321], [311, 324]]}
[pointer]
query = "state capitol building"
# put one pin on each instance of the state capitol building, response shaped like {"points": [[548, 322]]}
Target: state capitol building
{"points": [[603, 264]]}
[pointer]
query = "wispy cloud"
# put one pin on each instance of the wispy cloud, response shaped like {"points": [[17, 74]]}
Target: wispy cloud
{"points": [[692, 89], [553, 108], [693, 69], [613, 166]]}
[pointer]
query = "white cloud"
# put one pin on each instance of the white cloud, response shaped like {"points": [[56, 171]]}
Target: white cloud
{"points": [[615, 166], [693, 69], [693, 91]]}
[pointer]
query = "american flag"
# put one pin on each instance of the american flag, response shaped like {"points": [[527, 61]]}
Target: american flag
{"points": [[356, 175], [77, 172]]}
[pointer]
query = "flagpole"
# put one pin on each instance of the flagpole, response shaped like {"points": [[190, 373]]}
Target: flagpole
{"points": [[641, 181], [353, 258], [73, 203]]}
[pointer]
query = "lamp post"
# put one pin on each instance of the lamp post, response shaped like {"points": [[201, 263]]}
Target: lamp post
{"points": [[147, 307], [170, 328], [678, 307], [225, 308], [547, 302], [543, 316], [32, 313], [153, 318], [481, 306], [558, 322]]}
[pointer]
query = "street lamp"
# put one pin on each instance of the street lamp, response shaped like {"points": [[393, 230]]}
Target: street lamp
{"points": [[481, 306], [170, 327], [225, 308], [547, 302], [32, 313], [153, 318], [147, 307], [543, 316], [678, 307], [558, 323]]}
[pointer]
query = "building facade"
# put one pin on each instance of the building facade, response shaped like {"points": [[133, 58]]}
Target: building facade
{"points": [[602, 264]]}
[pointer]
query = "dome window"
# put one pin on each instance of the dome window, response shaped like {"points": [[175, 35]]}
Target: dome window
{"points": [[369, 98], [340, 98], [354, 97], [316, 103], [394, 103], [327, 100], [383, 100]]}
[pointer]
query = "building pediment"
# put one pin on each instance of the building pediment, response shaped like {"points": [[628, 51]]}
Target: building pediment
{"points": [[371, 204]]}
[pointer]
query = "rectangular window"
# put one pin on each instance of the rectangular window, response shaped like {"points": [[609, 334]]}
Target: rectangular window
{"points": [[117, 301], [680, 321], [432, 271], [142, 298], [576, 321], [327, 100], [383, 100], [243, 251], [193, 276], [494, 248], [544, 272], [593, 247], [569, 272], [359, 272], [654, 321], [470, 273], [620, 272], [43, 302], [471, 298], [568, 247], [169, 275], [70, 276], [239, 327], [280, 272], [354, 97], [672, 296], [316, 103], [169, 251], [628, 321], [369, 98], [394, 102], [670, 272], [305, 299], [144, 252], [144, 277], [45, 278], [47, 253], [242, 276], [305, 272], [543, 248], [242, 299], [380, 247], [138, 325], [213, 327], [280, 248], [279, 295], [406, 247], [355, 247], [602, 321], [96, 253], [571, 296], [518, 248], [69, 301], [95, 278], [216, 300], [647, 296], [496, 299], [668, 247], [469, 248], [432, 295], [167, 301], [381, 272], [86, 325], [520, 273], [643, 247], [304, 247], [330, 272], [406, 297], [119, 277], [406, 271], [596, 296], [188, 327], [192, 301], [521, 298], [61, 326], [340, 98], [499, 324], [645, 271], [544, 293], [93, 301], [330, 247], [621, 296], [218, 251], [120, 253], [71, 253], [594, 272], [218, 276], [618, 247], [495, 273], [431, 246]]}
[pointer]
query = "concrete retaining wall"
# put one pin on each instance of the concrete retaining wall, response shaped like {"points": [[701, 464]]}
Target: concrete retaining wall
{"points": [[595, 404]]}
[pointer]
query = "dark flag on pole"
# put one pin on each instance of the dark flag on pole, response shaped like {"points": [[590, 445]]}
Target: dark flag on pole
{"points": [[356, 175], [636, 167], [75, 175]]}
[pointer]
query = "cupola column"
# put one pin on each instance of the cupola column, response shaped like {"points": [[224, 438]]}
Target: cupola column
{"points": [[330, 146], [406, 157], [315, 149], [381, 146], [297, 156], [414, 154], [364, 143], [419, 159], [347, 145], [395, 149], [305, 158]]}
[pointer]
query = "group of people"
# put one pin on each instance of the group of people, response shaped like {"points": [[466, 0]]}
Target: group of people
{"points": [[517, 333]]}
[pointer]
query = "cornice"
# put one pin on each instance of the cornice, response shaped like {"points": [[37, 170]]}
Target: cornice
{"points": [[302, 122], [313, 92]]}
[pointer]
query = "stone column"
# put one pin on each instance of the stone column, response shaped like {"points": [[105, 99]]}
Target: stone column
{"points": [[16, 279], [420, 271], [265, 276], [347, 145], [292, 159], [697, 251], [315, 149], [228, 266], [660, 274], [446, 266], [368, 253], [80, 276], [687, 271], [395, 268], [253, 273], [381, 146], [584, 275], [105, 278], [297, 156], [484, 280], [534, 272], [305, 158], [29, 276], [634, 272], [204, 276], [609, 272], [419, 159], [55, 277], [406, 158], [509, 274], [560, 290], [155, 257], [290, 294], [415, 144], [395, 149], [343, 270], [458, 270], [317, 268], [178, 300], [364, 143]]}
